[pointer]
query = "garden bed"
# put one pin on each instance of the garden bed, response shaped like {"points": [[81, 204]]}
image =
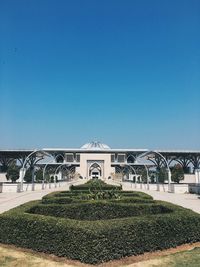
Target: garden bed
{"points": [[98, 230]]}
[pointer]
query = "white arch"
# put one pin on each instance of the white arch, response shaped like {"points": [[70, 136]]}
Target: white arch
{"points": [[23, 169], [131, 156], [59, 155], [97, 166], [167, 165]]}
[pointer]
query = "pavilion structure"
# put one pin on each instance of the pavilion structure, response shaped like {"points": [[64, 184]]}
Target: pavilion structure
{"points": [[98, 160]]}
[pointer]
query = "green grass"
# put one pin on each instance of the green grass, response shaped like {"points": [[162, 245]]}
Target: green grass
{"points": [[10, 257], [189, 258], [13, 257], [6, 260]]}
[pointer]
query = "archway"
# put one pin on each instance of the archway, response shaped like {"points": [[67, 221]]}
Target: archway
{"points": [[130, 159], [95, 171]]}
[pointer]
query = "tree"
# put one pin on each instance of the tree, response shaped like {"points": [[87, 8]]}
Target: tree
{"points": [[28, 176], [12, 173], [177, 173], [143, 174], [152, 176], [3, 168], [39, 175], [162, 175]]}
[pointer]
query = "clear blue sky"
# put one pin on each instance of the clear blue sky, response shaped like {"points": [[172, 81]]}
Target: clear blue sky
{"points": [[126, 73]]}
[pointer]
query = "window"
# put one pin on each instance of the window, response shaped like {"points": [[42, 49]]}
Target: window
{"points": [[121, 157], [59, 158], [78, 157], [113, 158], [69, 157], [130, 159]]}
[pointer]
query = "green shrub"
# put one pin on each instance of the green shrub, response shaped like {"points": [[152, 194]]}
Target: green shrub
{"points": [[57, 200], [94, 185], [99, 241], [99, 195], [135, 194], [92, 231], [104, 210], [75, 193], [64, 197], [85, 197], [133, 200]]}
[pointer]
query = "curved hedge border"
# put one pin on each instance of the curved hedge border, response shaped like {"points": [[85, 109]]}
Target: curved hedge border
{"points": [[72, 199], [65, 225], [95, 185], [98, 241], [67, 197], [98, 210]]}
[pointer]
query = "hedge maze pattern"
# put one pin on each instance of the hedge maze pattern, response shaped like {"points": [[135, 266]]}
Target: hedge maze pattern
{"points": [[96, 222]]}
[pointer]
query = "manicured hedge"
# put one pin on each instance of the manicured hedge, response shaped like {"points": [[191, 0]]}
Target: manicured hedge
{"points": [[86, 188], [135, 194], [95, 231], [57, 200], [99, 241], [133, 200], [66, 194], [67, 197], [95, 185], [98, 210], [74, 199]]}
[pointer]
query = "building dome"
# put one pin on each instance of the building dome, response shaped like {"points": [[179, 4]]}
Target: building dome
{"points": [[95, 146]]}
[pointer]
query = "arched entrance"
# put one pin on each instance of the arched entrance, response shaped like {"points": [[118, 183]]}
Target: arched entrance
{"points": [[95, 171]]}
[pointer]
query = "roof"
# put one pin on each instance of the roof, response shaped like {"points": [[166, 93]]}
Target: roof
{"points": [[95, 145]]}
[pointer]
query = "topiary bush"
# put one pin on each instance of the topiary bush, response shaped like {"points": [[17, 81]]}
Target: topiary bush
{"points": [[94, 231], [95, 185], [103, 210]]}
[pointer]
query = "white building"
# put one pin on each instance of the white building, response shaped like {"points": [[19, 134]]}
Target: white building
{"points": [[98, 160], [95, 159]]}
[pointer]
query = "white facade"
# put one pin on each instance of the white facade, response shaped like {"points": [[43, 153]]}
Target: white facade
{"points": [[95, 166], [98, 160], [197, 176]]}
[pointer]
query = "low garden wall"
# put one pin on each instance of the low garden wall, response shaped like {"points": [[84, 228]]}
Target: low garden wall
{"points": [[175, 188], [194, 188], [3, 177], [14, 187]]}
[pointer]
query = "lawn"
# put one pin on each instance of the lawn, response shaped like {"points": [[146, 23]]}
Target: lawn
{"points": [[190, 258], [11, 257], [182, 259]]}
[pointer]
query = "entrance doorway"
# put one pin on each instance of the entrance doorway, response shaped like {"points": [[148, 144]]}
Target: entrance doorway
{"points": [[95, 171], [95, 175]]}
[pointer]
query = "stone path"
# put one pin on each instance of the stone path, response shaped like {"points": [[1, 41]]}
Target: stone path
{"points": [[11, 200]]}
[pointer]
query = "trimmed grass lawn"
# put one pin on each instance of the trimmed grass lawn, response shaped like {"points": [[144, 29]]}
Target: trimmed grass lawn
{"points": [[189, 258], [10, 257]]}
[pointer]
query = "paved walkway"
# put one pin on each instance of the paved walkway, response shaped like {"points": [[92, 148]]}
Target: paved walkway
{"points": [[11, 200], [189, 201]]}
